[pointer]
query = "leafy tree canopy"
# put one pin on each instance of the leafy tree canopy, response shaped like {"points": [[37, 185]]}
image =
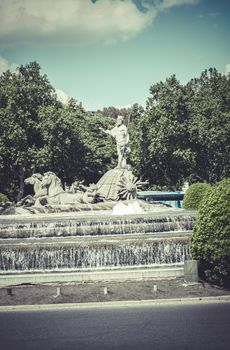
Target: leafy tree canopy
{"points": [[22, 94], [182, 134]]}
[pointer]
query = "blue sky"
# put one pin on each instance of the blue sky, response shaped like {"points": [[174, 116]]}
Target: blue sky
{"points": [[109, 52]]}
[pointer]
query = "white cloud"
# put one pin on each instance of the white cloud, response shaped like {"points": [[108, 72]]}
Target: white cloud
{"points": [[72, 22], [209, 14], [62, 97], [227, 69], [68, 22], [5, 65], [165, 4]]}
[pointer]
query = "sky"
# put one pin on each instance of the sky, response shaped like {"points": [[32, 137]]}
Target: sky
{"points": [[109, 52]]}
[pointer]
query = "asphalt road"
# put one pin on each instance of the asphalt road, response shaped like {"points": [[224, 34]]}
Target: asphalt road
{"points": [[203, 326]]}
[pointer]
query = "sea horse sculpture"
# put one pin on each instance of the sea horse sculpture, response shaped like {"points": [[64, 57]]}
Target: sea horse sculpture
{"points": [[57, 196], [39, 191]]}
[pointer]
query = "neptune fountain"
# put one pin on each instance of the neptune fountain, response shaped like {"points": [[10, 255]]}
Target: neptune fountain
{"points": [[100, 227], [116, 184]]}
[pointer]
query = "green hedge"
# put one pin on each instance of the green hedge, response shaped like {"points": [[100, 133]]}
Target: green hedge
{"points": [[3, 198], [211, 235], [194, 195]]}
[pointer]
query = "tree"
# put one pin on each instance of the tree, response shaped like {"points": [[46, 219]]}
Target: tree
{"points": [[100, 153], [62, 150], [73, 147], [113, 112], [38, 133], [182, 134], [21, 96], [209, 109], [168, 157], [135, 129]]}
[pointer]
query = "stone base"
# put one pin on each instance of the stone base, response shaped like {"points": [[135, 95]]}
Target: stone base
{"points": [[135, 274]]}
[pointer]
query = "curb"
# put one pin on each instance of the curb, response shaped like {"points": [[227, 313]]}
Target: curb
{"points": [[117, 304]]}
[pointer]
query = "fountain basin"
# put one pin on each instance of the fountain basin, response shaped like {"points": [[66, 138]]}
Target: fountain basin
{"points": [[77, 253], [93, 246], [94, 224]]}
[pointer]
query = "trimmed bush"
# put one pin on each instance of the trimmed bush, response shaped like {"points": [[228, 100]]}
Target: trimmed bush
{"points": [[194, 195], [211, 235], [3, 198]]}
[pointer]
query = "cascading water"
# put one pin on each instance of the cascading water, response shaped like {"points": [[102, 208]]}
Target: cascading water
{"points": [[83, 242], [80, 255], [95, 226]]}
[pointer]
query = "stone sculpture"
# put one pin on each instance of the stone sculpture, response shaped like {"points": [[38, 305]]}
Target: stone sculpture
{"points": [[119, 183], [48, 190], [116, 184], [57, 196], [120, 133], [35, 180]]}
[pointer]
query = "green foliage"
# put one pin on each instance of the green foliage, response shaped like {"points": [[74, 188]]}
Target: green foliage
{"points": [[135, 142], [62, 150], [21, 96], [99, 150], [211, 235], [166, 157], [194, 195], [183, 133], [209, 113], [38, 133], [3, 198], [113, 112]]}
